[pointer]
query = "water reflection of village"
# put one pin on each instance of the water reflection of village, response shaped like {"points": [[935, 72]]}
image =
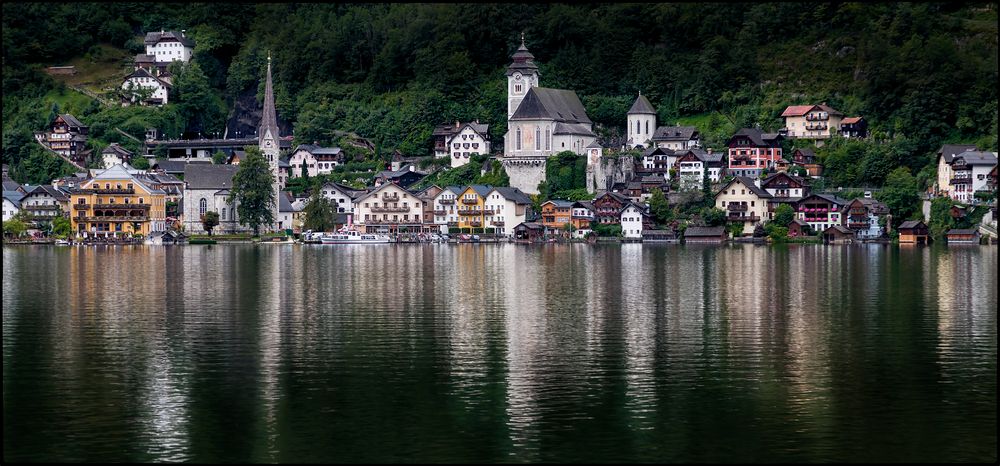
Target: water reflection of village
{"points": [[278, 352]]}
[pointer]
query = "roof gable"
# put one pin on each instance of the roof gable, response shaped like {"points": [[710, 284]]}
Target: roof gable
{"points": [[641, 106], [559, 105]]}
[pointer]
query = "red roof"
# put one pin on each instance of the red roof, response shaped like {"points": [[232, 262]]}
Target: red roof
{"points": [[797, 110], [851, 120]]}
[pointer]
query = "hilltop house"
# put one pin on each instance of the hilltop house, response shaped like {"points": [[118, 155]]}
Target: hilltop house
{"points": [[167, 46], [854, 127], [115, 154], [342, 197], [812, 121], [68, 137], [156, 84]]}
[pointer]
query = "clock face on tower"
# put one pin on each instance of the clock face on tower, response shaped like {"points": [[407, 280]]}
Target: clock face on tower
{"points": [[267, 144], [517, 76]]}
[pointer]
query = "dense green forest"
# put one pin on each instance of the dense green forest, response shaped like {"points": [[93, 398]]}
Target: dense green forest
{"points": [[922, 74]]}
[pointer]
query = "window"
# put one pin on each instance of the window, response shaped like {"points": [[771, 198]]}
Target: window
{"points": [[548, 139], [538, 138], [223, 213], [647, 126], [202, 206], [518, 139]]}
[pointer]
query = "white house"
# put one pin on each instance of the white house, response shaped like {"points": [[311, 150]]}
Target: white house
{"points": [[318, 160], [444, 209], [115, 154], [510, 207], [945, 155], [143, 81], [44, 202], [167, 46], [389, 208], [11, 204], [692, 165], [744, 202], [469, 140], [632, 220], [677, 137], [286, 211], [582, 218], [970, 171], [342, 197]]}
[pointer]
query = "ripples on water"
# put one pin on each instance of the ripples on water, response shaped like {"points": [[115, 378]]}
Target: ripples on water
{"points": [[490, 353]]}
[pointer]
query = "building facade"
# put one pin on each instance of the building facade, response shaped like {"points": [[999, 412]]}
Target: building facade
{"points": [[389, 208], [116, 203], [812, 121], [744, 202], [751, 151]]}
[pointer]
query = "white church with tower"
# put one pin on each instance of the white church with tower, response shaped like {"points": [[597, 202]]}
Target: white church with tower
{"points": [[540, 122]]}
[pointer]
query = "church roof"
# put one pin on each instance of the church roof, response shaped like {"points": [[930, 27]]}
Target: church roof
{"points": [[556, 104], [641, 106], [675, 133], [269, 121], [205, 176], [522, 60]]}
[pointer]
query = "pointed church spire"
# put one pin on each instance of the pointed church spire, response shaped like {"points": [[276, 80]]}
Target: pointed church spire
{"points": [[270, 118]]}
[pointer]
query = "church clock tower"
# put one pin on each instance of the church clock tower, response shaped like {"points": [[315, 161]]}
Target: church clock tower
{"points": [[268, 138], [522, 74]]}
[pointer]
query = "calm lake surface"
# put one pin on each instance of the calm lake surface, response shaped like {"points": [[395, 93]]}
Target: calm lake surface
{"points": [[500, 353]]}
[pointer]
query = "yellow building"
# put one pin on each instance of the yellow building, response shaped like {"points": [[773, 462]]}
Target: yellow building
{"points": [[116, 203], [471, 207]]}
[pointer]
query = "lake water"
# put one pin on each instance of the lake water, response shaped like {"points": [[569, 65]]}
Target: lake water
{"points": [[500, 353]]}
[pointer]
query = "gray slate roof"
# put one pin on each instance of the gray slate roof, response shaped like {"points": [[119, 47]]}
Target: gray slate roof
{"points": [[154, 37], [205, 176], [560, 203], [514, 194], [758, 137], [72, 121], [14, 197], [641, 106], [949, 151], [960, 231], [977, 158], [560, 105], [674, 133], [577, 129]]}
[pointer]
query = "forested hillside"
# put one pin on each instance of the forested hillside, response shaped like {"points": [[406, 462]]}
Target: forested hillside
{"points": [[922, 74]]}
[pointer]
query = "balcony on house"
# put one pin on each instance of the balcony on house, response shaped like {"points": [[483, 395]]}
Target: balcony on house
{"points": [[476, 223], [856, 224], [737, 207], [110, 191], [446, 201], [440, 212], [390, 209], [817, 117], [116, 218], [735, 217], [470, 212], [390, 197], [466, 200], [498, 223], [816, 126], [122, 206], [961, 180]]}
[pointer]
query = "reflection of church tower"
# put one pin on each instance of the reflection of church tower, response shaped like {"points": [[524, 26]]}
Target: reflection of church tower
{"points": [[268, 137], [522, 74]]}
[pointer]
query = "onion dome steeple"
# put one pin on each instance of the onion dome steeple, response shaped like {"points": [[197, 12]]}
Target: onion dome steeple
{"points": [[522, 61]]}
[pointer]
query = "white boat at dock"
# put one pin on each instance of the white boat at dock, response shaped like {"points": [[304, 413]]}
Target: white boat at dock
{"points": [[353, 237]]}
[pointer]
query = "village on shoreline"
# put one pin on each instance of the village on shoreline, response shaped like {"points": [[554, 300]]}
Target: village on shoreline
{"points": [[193, 190]]}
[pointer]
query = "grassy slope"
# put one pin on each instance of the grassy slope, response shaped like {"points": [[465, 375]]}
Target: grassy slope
{"points": [[100, 71]]}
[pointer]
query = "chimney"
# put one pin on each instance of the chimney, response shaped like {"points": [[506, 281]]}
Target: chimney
{"points": [[456, 124], [709, 150], [182, 32]]}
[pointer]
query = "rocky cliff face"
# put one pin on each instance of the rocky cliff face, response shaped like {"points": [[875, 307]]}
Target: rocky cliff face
{"points": [[608, 171], [246, 114]]}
